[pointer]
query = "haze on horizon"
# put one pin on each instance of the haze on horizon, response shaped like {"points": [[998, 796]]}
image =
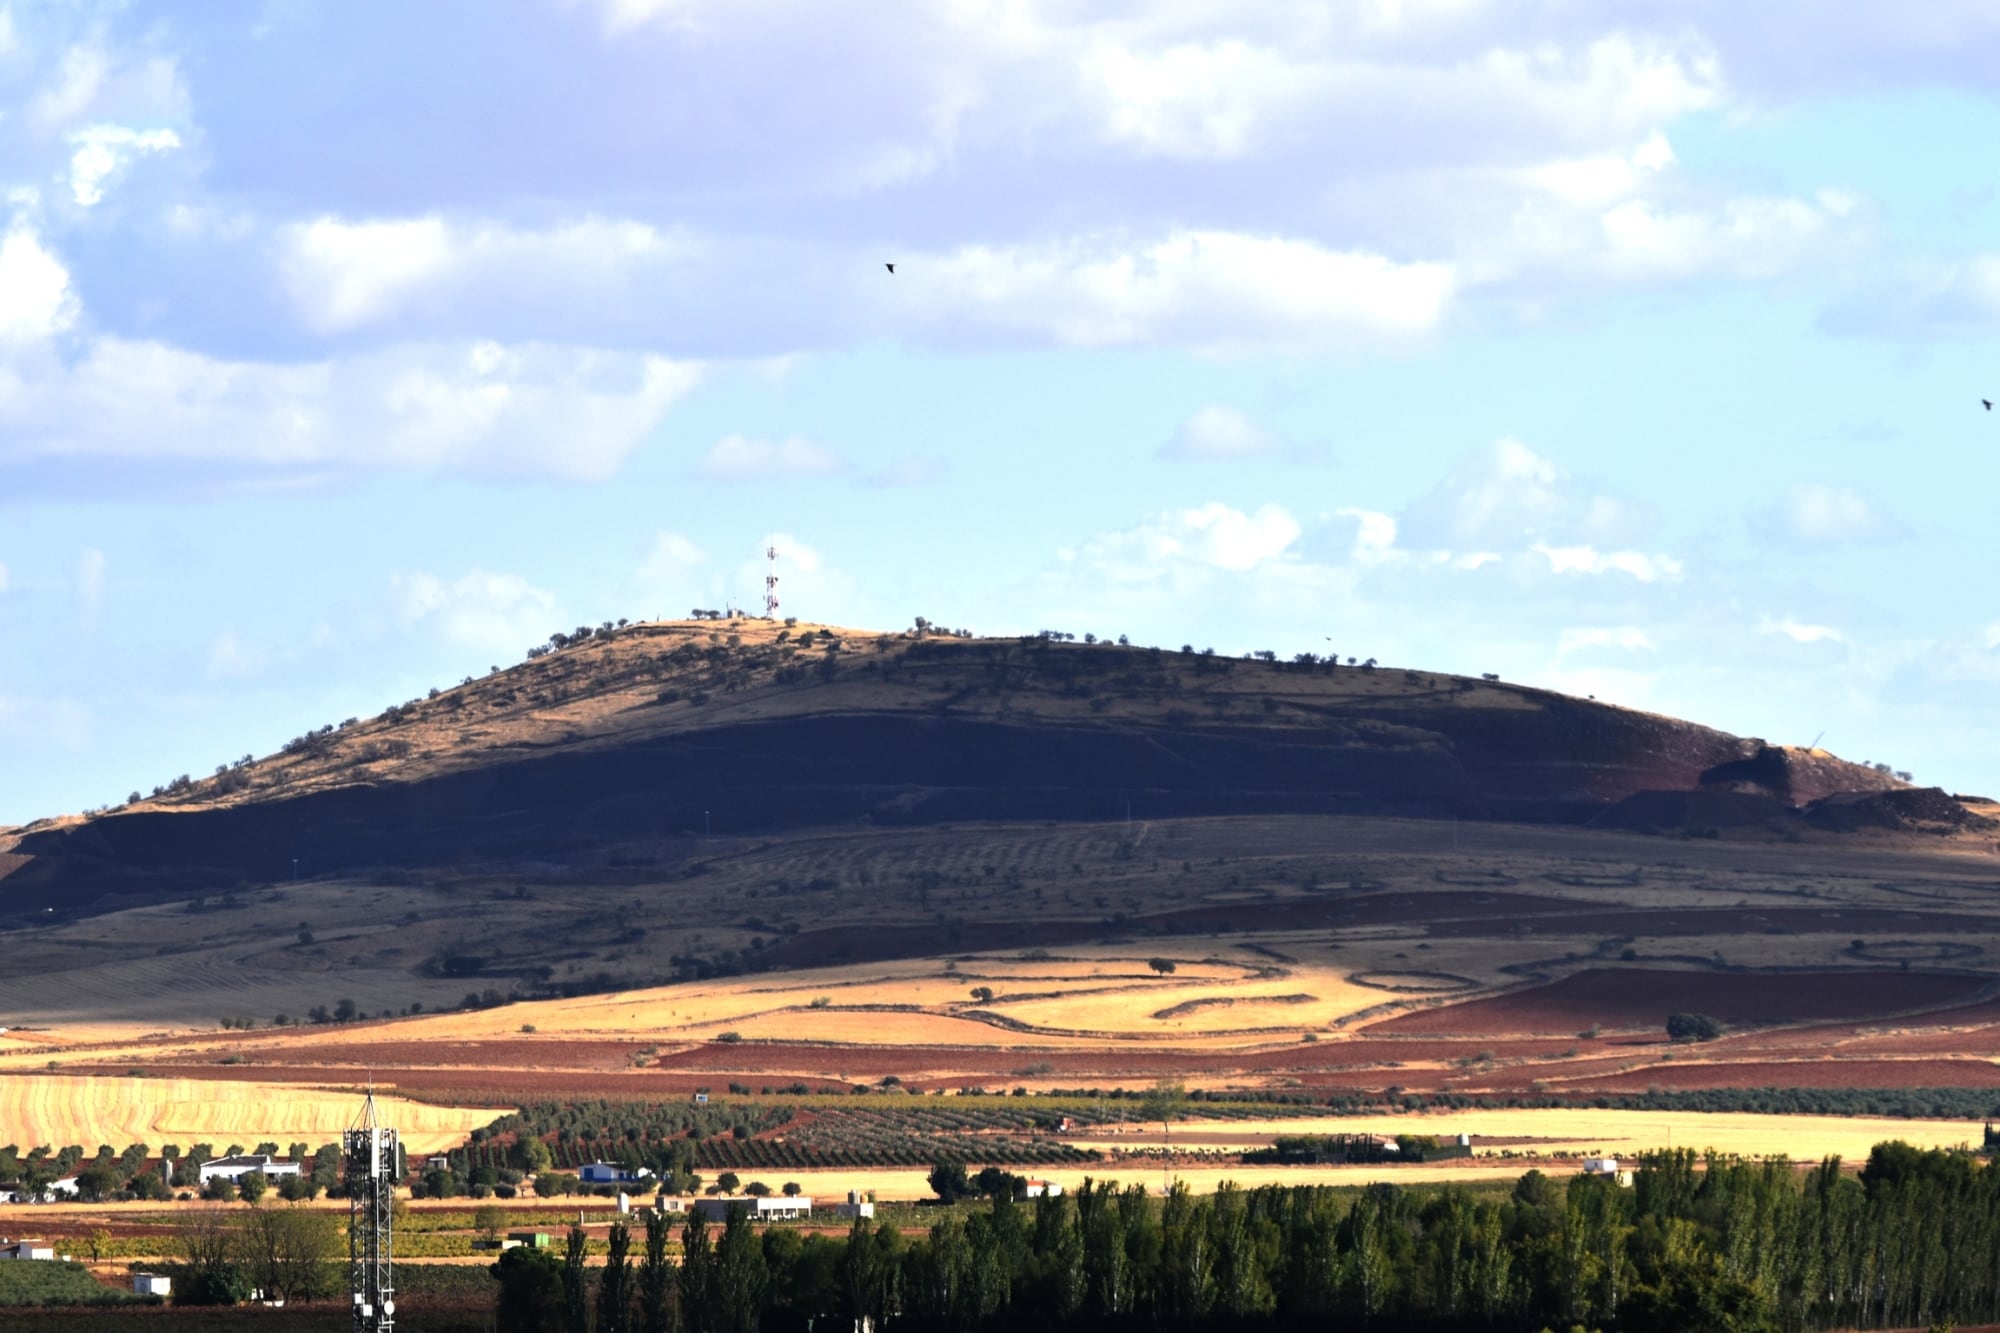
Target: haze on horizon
{"points": [[1633, 350]]}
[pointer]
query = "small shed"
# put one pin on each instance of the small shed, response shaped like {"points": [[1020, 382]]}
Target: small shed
{"points": [[1036, 1189], [534, 1240], [26, 1249], [152, 1284]]}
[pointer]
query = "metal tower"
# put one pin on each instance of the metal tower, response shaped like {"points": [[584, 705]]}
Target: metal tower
{"points": [[771, 585], [374, 1161]]}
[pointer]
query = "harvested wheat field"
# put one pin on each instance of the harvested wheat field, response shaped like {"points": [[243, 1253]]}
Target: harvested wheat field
{"points": [[58, 1109], [1585, 1131]]}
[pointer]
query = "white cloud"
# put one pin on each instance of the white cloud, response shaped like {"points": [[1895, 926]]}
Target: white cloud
{"points": [[78, 80], [1187, 545], [495, 614], [344, 275], [1222, 434], [1798, 631], [622, 16], [101, 150], [1194, 99], [1500, 494], [741, 458], [525, 410], [1210, 289], [1588, 560], [10, 39], [229, 658], [87, 583], [668, 572], [1625, 638], [1820, 514], [36, 301]]}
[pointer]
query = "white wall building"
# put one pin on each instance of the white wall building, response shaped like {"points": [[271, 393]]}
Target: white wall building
{"points": [[152, 1284], [26, 1249], [766, 1208], [235, 1168], [856, 1206]]}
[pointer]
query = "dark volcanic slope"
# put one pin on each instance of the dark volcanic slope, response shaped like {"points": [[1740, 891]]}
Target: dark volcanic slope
{"points": [[652, 730]]}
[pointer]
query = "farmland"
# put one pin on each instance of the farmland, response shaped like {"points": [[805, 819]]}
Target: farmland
{"points": [[1219, 908], [55, 1109]]}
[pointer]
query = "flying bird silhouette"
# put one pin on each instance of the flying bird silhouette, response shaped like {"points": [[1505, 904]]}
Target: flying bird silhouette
{"points": [[1988, 402], [892, 269]]}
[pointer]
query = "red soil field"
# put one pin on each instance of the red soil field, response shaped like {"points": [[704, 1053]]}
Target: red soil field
{"points": [[1638, 999], [1799, 1074]]}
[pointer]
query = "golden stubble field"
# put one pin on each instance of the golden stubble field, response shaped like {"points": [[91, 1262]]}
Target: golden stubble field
{"points": [[55, 1109]]}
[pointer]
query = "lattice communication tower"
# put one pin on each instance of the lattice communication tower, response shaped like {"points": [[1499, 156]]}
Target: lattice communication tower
{"points": [[374, 1165], [771, 584]]}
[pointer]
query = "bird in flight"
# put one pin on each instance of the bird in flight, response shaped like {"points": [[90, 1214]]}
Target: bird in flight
{"points": [[892, 269], [1987, 401]]}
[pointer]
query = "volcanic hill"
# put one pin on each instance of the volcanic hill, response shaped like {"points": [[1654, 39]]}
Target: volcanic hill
{"points": [[631, 737]]}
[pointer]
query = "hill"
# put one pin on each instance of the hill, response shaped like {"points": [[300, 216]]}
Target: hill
{"points": [[616, 747]]}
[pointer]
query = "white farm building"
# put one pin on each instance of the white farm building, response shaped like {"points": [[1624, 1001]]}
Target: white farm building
{"points": [[233, 1169]]}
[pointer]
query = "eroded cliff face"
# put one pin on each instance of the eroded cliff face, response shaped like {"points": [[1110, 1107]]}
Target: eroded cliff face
{"points": [[563, 764]]}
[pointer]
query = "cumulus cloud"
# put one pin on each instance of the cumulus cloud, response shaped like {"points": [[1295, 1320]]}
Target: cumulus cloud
{"points": [[36, 300], [1504, 493], [525, 410], [742, 458], [344, 275], [1821, 514], [1644, 567], [669, 571], [1209, 289], [491, 613], [1799, 631], [1183, 549], [1222, 434], [100, 150], [78, 78]]}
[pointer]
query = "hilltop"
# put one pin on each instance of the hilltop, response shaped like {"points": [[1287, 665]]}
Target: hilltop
{"points": [[627, 735]]}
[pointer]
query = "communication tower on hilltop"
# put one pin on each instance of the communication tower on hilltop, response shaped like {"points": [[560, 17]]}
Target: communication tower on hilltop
{"points": [[771, 585], [374, 1165]]}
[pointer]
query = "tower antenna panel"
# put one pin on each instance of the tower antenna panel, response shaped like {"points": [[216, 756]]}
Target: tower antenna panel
{"points": [[771, 584], [373, 1160]]}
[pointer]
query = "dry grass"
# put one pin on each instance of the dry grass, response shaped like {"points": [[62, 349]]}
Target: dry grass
{"points": [[55, 1109]]}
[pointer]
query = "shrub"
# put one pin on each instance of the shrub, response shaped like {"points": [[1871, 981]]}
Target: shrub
{"points": [[1693, 1027]]}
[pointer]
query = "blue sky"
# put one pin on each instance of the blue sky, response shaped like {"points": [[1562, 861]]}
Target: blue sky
{"points": [[1633, 349]]}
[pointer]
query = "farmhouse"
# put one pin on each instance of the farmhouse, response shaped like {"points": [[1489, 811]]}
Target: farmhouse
{"points": [[64, 1188], [856, 1206], [152, 1284], [604, 1173], [769, 1208], [26, 1249], [1606, 1166], [1036, 1189], [233, 1169]]}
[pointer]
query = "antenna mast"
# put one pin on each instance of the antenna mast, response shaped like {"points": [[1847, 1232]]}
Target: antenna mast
{"points": [[771, 584], [373, 1161]]}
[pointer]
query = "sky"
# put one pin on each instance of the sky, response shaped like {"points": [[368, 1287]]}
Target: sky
{"points": [[1632, 348]]}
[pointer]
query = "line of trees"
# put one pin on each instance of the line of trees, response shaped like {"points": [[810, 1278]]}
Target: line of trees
{"points": [[1691, 1245]]}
